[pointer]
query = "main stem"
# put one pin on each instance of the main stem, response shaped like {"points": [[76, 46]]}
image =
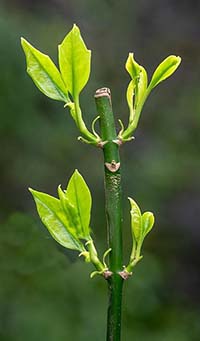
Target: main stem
{"points": [[113, 210]]}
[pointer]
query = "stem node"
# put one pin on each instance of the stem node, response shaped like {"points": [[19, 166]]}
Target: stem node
{"points": [[112, 166], [125, 274]]}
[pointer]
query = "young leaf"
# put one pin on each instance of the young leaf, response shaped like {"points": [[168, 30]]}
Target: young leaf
{"points": [[74, 61], [135, 220], [142, 85], [70, 211], [164, 70], [132, 67], [147, 222], [139, 79], [44, 73], [129, 97], [53, 217], [73, 216], [78, 194]]}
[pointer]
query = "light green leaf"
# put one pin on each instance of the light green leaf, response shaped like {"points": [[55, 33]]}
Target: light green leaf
{"points": [[130, 93], [142, 85], [136, 220], [164, 70], [147, 222], [54, 218], [74, 61], [70, 211], [72, 215], [44, 73], [78, 194], [132, 67], [139, 85], [129, 97]]}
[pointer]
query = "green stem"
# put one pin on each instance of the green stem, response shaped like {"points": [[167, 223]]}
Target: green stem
{"points": [[133, 121], [94, 256], [81, 124], [113, 210]]}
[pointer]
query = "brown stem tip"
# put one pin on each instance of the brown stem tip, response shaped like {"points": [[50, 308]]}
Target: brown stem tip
{"points": [[103, 92]]}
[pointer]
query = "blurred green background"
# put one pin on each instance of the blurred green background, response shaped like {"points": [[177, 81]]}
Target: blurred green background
{"points": [[45, 293]]}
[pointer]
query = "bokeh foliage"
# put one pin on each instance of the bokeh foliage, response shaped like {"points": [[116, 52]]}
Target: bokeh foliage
{"points": [[40, 290]]}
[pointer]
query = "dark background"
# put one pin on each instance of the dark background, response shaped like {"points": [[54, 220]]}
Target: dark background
{"points": [[45, 293]]}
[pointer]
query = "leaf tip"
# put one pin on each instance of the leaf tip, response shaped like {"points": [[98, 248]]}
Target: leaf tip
{"points": [[59, 189], [150, 214], [148, 221], [24, 43], [76, 172], [130, 54], [75, 28], [131, 57], [131, 200], [32, 191], [178, 60]]}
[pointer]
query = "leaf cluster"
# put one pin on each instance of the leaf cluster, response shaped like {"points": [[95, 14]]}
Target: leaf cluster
{"points": [[138, 89], [66, 83], [67, 218], [141, 225]]}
